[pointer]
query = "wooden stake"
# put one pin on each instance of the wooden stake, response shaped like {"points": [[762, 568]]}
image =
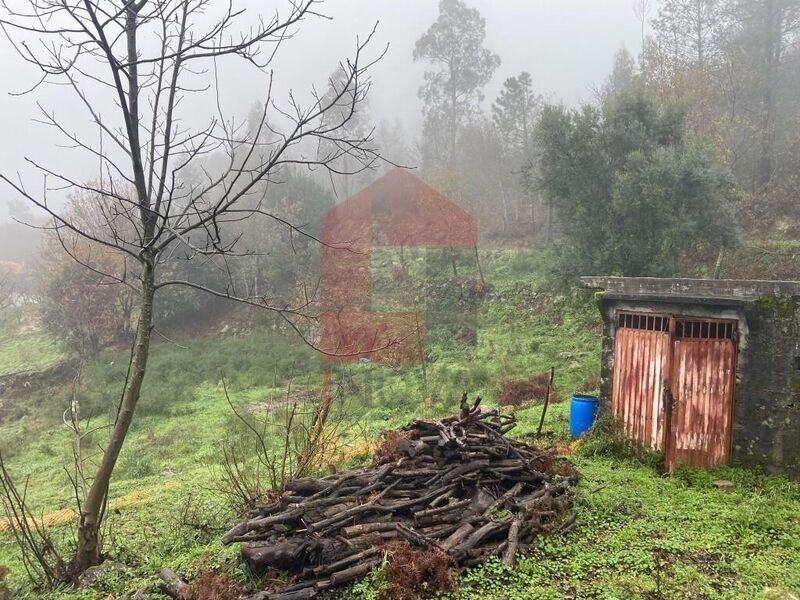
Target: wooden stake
{"points": [[546, 400]]}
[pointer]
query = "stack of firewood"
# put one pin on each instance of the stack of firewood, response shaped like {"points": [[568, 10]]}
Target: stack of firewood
{"points": [[457, 486]]}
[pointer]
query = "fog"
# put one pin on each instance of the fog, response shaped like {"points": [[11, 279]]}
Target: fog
{"points": [[566, 45]]}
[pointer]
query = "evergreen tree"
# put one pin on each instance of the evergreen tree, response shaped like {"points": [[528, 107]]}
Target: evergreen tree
{"points": [[452, 94], [633, 193], [623, 75], [515, 113]]}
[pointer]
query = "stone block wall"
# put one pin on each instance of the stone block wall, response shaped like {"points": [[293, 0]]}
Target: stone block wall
{"points": [[766, 422]]}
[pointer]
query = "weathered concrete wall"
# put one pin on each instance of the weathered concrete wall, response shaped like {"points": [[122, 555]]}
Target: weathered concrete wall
{"points": [[766, 424], [766, 421]]}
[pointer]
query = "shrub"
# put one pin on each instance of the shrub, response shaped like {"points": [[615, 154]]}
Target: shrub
{"points": [[300, 436], [213, 586], [516, 392], [413, 574], [641, 192], [80, 305], [390, 446]]}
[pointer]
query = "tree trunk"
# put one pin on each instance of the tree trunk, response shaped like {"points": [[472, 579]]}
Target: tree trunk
{"points": [[772, 25], [452, 254], [89, 551], [699, 36], [504, 202], [453, 118]]}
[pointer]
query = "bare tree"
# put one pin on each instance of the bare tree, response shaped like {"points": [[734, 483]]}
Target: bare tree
{"points": [[166, 187]]}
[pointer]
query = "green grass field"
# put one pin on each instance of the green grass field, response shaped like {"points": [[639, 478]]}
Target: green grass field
{"points": [[639, 534], [31, 353]]}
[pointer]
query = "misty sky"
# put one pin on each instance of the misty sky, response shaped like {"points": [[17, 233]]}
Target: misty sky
{"points": [[567, 46]]}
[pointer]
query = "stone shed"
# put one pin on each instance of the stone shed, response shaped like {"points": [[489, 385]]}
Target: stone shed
{"points": [[707, 371]]}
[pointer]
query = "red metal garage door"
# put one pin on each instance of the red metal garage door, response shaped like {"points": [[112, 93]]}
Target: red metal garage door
{"points": [[641, 364], [703, 371], [673, 386]]}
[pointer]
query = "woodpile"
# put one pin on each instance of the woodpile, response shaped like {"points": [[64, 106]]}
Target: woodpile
{"points": [[457, 487]]}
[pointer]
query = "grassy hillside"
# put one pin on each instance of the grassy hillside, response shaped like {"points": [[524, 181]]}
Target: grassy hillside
{"points": [[28, 353], [639, 534]]}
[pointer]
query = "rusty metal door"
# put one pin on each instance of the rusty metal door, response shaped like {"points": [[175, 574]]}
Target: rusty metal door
{"points": [[701, 386], [673, 386], [641, 365]]}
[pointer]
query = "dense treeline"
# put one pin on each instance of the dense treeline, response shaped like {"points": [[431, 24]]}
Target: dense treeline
{"points": [[695, 136]]}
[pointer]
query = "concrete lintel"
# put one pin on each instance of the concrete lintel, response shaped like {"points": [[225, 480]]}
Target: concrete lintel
{"points": [[694, 290], [679, 299]]}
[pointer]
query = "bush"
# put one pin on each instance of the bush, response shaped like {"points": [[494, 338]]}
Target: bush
{"points": [[521, 391], [638, 191], [81, 305], [300, 435], [215, 586], [413, 574]]}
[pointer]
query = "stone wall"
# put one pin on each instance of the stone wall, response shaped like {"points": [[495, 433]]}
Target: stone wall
{"points": [[766, 429]]}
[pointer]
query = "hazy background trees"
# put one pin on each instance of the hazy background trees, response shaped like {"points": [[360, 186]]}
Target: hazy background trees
{"points": [[730, 67], [80, 297], [734, 65], [453, 93], [719, 78], [516, 113]]}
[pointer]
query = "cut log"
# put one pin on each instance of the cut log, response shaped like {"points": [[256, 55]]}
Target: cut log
{"points": [[172, 585], [510, 553]]}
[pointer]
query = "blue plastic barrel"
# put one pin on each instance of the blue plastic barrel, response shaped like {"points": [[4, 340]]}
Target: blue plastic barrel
{"points": [[582, 414]]}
